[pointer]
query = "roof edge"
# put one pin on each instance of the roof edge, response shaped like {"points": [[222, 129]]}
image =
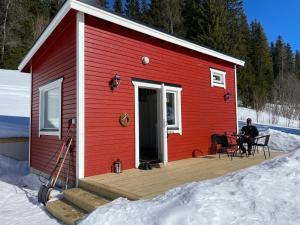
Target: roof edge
{"points": [[113, 18]]}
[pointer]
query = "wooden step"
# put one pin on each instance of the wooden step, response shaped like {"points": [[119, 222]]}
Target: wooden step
{"points": [[65, 211], [106, 191], [84, 199]]}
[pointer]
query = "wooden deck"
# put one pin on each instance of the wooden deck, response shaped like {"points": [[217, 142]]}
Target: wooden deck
{"points": [[144, 184]]}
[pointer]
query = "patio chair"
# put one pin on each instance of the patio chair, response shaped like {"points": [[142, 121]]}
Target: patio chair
{"points": [[262, 141], [228, 145]]}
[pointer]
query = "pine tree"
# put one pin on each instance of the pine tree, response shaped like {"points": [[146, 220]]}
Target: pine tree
{"points": [[246, 79], [261, 61], [103, 3], [155, 15], [145, 12], [132, 9], [118, 6], [278, 57], [297, 64], [288, 59]]}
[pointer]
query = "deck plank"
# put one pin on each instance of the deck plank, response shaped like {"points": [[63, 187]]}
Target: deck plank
{"points": [[153, 182]]}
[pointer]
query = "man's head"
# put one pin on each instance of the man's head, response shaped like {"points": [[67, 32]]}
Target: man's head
{"points": [[249, 121]]}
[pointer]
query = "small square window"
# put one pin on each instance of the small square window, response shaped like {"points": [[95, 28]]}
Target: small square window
{"points": [[218, 78], [50, 109]]}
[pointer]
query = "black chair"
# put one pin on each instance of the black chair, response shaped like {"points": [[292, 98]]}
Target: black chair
{"points": [[262, 141], [227, 145]]}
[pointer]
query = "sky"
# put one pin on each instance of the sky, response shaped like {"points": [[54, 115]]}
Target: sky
{"points": [[14, 93], [278, 17]]}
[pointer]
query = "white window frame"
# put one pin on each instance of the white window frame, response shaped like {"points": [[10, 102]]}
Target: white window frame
{"points": [[177, 127], [215, 72], [42, 90]]}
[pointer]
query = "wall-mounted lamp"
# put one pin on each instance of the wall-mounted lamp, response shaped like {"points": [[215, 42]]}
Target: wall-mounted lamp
{"points": [[227, 96], [145, 60], [115, 82]]}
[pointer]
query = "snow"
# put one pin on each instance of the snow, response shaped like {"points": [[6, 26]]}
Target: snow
{"points": [[14, 93], [264, 194], [18, 195], [281, 141], [265, 117], [14, 103]]}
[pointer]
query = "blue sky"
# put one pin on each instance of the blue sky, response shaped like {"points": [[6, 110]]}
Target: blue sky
{"points": [[278, 17]]}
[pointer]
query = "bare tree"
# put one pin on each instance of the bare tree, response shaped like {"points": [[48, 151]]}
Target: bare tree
{"points": [[259, 101], [286, 97], [39, 25], [172, 14], [7, 4]]}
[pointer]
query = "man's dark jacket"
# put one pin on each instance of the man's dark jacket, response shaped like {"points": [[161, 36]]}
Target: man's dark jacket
{"points": [[250, 131]]}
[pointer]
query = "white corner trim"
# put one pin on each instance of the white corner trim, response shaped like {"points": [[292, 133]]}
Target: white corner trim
{"points": [[30, 122], [236, 99], [213, 84], [55, 84], [136, 125], [102, 14], [50, 28], [80, 103]]}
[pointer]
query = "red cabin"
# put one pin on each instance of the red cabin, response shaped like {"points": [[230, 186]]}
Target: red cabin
{"points": [[137, 94]]}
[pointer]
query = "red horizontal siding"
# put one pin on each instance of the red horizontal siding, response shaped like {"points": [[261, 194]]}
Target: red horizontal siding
{"points": [[55, 59], [113, 49]]}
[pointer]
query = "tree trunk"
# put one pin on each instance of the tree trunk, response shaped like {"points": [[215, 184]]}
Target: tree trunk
{"points": [[4, 30]]}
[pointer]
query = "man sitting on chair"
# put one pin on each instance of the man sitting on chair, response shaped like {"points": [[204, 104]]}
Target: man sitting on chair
{"points": [[249, 133]]}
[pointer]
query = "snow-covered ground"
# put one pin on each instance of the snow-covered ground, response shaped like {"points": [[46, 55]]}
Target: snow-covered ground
{"points": [[265, 117], [281, 141], [265, 194], [18, 195]]}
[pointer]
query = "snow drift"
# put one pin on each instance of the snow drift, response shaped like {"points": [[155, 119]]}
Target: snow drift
{"points": [[18, 195], [264, 194], [281, 141]]}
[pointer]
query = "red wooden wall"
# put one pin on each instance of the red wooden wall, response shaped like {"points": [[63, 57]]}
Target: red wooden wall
{"points": [[111, 49], [55, 59]]}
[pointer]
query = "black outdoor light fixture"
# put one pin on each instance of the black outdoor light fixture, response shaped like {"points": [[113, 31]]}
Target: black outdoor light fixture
{"points": [[115, 82], [227, 96]]}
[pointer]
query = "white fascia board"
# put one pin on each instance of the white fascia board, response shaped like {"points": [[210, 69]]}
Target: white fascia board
{"points": [[102, 14], [57, 19]]}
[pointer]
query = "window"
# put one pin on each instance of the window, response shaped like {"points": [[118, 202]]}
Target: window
{"points": [[50, 108], [218, 78], [173, 107]]}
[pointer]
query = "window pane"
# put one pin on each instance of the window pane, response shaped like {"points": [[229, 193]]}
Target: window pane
{"points": [[51, 110], [218, 78], [171, 108]]}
